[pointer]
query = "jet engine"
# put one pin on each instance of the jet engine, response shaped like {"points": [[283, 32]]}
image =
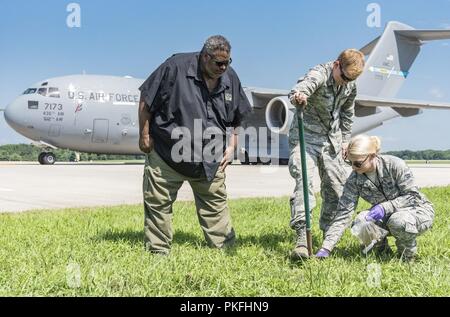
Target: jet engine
{"points": [[279, 114]]}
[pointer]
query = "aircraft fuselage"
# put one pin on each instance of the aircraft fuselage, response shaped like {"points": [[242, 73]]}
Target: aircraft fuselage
{"points": [[96, 114]]}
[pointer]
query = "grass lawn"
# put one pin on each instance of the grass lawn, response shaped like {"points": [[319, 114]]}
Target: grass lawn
{"points": [[99, 252]]}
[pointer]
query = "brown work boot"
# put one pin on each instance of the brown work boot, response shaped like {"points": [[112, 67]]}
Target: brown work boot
{"points": [[300, 251]]}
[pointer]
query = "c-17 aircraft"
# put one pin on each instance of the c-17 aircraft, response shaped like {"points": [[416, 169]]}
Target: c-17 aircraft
{"points": [[98, 114]]}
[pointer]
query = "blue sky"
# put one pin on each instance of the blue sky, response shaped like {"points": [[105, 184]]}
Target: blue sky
{"points": [[274, 42]]}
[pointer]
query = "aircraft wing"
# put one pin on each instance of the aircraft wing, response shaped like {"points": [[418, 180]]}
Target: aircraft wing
{"points": [[267, 92], [260, 97], [425, 35], [366, 50], [404, 107]]}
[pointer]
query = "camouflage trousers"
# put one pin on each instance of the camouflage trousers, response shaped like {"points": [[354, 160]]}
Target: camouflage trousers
{"points": [[408, 223], [333, 173], [160, 187]]}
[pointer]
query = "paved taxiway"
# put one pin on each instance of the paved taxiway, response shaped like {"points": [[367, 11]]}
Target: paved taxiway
{"points": [[32, 186]]}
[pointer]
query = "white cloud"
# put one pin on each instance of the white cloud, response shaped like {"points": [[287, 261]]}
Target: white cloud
{"points": [[437, 93], [445, 25]]}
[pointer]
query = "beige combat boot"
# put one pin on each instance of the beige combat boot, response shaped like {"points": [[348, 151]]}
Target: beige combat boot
{"points": [[301, 250]]}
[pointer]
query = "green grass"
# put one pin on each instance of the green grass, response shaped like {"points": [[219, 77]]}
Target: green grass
{"points": [[99, 252]]}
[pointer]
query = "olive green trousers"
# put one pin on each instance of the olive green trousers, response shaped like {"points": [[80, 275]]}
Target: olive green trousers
{"points": [[160, 187]]}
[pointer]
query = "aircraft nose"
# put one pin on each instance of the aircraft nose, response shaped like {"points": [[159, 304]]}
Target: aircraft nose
{"points": [[15, 116], [9, 114]]}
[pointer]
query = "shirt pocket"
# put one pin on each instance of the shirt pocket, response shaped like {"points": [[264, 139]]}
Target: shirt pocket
{"points": [[389, 185], [372, 196], [229, 111], [368, 191]]}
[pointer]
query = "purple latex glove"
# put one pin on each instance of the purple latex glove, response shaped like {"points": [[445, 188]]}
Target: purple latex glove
{"points": [[323, 253], [376, 213]]}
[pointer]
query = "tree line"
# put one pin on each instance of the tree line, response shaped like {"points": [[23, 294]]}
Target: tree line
{"points": [[427, 155], [26, 152]]}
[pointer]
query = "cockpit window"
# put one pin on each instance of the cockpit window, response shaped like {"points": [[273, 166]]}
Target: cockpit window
{"points": [[42, 91], [29, 91], [53, 92]]}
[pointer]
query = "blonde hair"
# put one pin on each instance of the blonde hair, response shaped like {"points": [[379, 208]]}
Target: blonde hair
{"points": [[352, 61], [364, 145]]}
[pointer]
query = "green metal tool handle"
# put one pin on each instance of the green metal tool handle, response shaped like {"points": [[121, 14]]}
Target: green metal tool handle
{"points": [[304, 178]]}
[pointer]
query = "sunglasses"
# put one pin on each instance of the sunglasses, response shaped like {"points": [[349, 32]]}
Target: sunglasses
{"points": [[221, 63], [345, 78], [357, 164]]}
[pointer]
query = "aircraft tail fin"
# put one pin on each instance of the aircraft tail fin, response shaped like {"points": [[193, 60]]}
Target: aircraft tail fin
{"points": [[391, 56]]}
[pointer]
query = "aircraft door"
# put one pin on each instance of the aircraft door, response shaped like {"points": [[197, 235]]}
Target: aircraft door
{"points": [[54, 131], [100, 131]]}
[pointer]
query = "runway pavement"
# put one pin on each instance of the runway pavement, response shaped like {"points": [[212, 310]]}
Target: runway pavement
{"points": [[32, 186]]}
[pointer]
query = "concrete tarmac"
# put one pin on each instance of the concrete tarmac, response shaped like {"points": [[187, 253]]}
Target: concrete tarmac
{"points": [[30, 186]]}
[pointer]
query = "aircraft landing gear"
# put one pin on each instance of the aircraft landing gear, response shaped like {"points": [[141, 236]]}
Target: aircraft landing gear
{"points": [[246, 160], [47, 158]]}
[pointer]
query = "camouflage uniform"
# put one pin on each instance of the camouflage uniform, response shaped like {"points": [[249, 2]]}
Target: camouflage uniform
{"points": [[328, 120], [408, 212]]}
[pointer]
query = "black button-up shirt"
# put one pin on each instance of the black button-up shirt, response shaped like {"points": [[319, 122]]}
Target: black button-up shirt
{"points": [[177, 95]]}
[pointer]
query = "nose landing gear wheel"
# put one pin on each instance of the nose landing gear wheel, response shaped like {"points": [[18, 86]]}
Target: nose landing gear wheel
{"points": [[41, 158], [47, 158], [246, 160]]}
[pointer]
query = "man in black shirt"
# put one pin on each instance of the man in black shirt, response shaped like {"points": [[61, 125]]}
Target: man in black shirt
{"points": [[198, 97]]}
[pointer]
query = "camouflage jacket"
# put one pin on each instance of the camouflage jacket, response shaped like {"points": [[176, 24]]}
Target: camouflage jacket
{"points": [[396, 190], [328, 117]]}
